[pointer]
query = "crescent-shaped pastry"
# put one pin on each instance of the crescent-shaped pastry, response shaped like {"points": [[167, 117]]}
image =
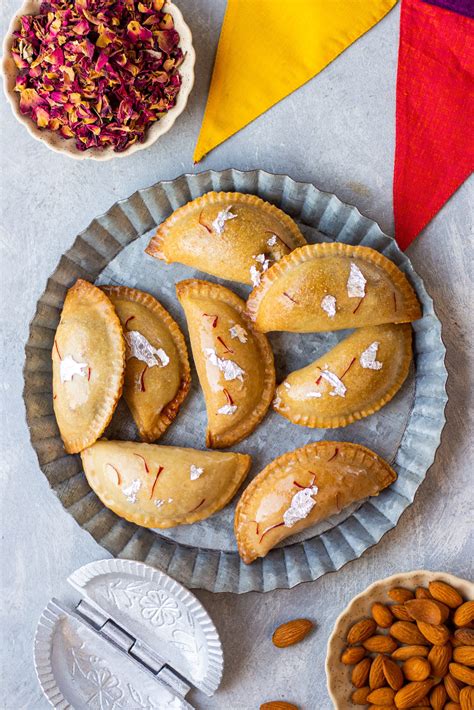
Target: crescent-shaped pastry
{"points": [[234, 363], [353, 380], [302, 488], [322, 287], [157, 373], [228, 234], [162, 486], [88, 366]]}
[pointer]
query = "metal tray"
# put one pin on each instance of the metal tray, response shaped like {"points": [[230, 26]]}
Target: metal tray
{"points": [[406, 432]]}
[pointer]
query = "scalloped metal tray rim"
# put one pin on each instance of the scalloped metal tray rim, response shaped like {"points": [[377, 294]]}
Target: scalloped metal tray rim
{"points": [[299, 562]]}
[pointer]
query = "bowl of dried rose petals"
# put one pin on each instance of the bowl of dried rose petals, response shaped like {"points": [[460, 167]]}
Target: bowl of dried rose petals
{"points": [[406, 642], [98, 79]]}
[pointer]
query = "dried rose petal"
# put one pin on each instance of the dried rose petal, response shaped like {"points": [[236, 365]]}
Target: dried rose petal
{"points": [[98, 71]]}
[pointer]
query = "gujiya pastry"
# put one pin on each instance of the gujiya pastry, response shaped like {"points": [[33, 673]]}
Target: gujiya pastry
{"points": [[115, 340]]}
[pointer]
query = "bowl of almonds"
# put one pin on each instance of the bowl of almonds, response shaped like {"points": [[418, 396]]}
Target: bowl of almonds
{"points": [[406, 642]]}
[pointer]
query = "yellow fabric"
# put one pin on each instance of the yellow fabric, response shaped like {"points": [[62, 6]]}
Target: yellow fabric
{"points": [[269, 48]]}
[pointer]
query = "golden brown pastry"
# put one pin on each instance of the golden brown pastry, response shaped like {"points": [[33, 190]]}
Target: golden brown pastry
{"points": [[322, 287], [228, 234], [302, 488], [354, 379], [162, 486], [233, 362], [157, 374], [88, 366]]}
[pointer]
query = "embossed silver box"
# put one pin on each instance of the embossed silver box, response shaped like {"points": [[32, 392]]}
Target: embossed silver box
{"points": [[136, 639]]}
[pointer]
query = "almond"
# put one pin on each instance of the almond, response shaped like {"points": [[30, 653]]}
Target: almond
{"points": [[382, 696], [407, 632], [382, 615], [360, 673], [404, 652], [422, 593], [462, 673], [352, 655], [416, 668], [411, 694], [359, 696], [400, 594], [437, 635], [465, 655], [438, 697], [452, 687], [376, 675], [361, 631], [464, 614], [380, 644], [400, 612], [424, 702], [466, 698], [278, 705], [465, 637], [292, 632], [452, 706], [382, 707], [428, 610], [445, 593], [392, 673], [439, 658]]}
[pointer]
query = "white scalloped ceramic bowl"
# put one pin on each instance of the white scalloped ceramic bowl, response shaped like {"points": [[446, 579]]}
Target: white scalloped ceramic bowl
{"points": [[338, 675], [66, 146]]}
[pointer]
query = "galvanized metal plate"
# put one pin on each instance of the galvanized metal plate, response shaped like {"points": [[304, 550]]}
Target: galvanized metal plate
{"points": [[406, 432]]}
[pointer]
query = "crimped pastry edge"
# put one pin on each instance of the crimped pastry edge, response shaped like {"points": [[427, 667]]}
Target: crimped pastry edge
{"points": [[315, 422], [198, 287], [310, 252], [170, 410], [156, 248], [247, 552], [83, 288], [244, 461]]}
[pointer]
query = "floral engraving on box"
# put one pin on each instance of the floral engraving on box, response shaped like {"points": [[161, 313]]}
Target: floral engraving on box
{"points": [[161, 610], [103, 690], [123, 593]]}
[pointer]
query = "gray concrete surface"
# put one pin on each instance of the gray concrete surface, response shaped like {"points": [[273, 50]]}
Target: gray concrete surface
{"points": [[338, 132]]}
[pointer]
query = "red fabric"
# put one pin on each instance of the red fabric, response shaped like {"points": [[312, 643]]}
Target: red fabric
{"points": [[434, 151]]}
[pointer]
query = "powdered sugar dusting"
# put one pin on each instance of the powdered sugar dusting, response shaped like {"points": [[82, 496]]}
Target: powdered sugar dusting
{"points": [[158, 502], [302, 504], [367, 359], [272, 241], [69, 367], [195, 472], [229, 368], [236, 331], [356, 282], [139, 347], [130, 492], [339, 388], [218, 225], [328, 304], [314, 395], [227, 409]]}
